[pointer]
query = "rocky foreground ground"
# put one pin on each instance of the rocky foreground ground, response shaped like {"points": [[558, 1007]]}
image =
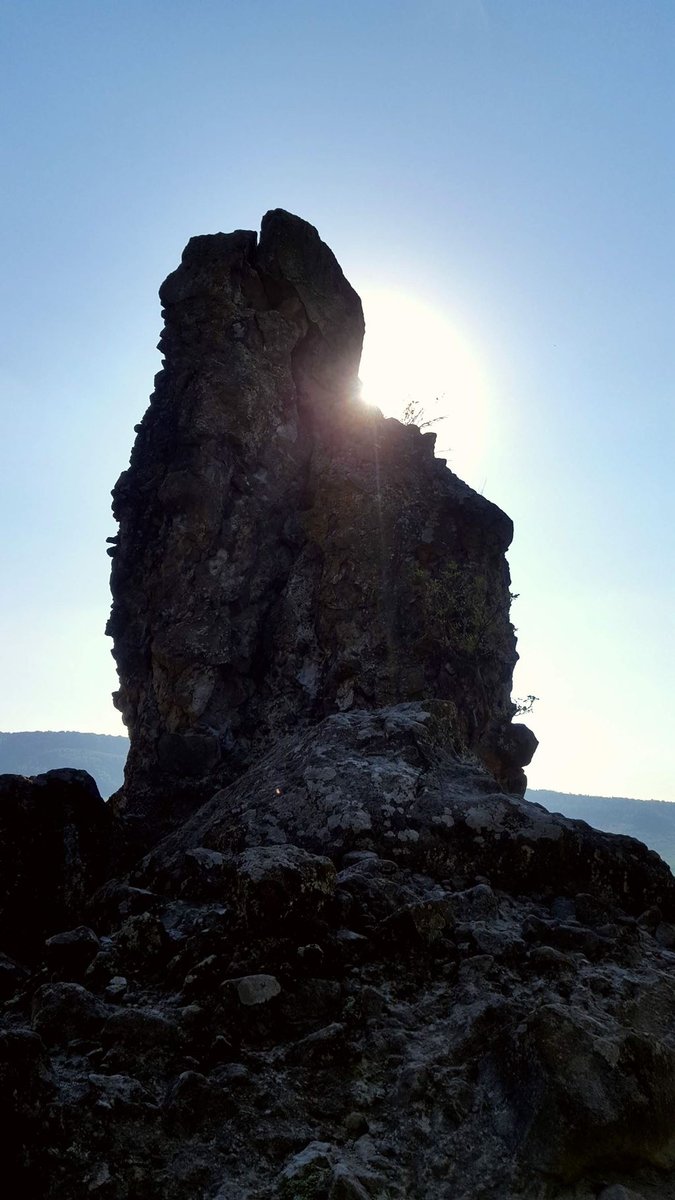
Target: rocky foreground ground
{"points": [[357, 972]]}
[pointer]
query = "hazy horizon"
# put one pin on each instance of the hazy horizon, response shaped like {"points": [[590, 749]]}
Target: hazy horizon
{"points": [[123, 737]]}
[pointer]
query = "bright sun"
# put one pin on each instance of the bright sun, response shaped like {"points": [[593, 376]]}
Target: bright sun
{"points": [[414, 354]]}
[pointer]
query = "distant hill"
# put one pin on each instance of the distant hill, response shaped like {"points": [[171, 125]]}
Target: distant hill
{"points": [[651, 821], [101, 754]]}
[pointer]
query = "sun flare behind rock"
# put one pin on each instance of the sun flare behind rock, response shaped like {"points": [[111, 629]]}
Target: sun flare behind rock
{"points": [[414, 354]]}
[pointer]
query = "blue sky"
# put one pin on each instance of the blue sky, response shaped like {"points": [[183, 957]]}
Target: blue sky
{"points": [[502, 167]]}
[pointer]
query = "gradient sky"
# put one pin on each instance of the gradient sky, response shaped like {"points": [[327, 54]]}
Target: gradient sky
{"points": [[496, 179]]}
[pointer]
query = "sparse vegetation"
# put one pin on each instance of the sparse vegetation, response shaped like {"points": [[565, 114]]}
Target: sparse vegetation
{"points": [[414, 414], [458, 607]]}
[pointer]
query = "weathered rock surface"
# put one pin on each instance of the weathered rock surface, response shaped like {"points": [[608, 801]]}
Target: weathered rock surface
{"points": [[385, 781], [357, 968], [285, 552], [477, 1006]]}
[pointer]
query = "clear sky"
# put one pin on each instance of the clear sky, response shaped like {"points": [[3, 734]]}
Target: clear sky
{"points": [[496, 179]]}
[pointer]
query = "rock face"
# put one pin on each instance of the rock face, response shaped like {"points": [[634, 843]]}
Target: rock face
{"points": [[384, 781], [360, 968], [285, 552]]}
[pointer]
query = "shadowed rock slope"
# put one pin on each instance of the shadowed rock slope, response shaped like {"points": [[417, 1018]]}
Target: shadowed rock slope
{"points": [[356, 972], [360, 968], [651, 821], [285, 552]]}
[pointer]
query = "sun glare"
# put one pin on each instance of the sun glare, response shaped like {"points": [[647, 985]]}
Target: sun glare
{"points": [[413, 354]]}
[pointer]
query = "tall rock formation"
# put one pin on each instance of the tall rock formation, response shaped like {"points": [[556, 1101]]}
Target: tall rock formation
{"points": [[359, 969], [284, 551]]}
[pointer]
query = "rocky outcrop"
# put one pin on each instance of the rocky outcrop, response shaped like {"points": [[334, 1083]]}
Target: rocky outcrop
{"points": [[285, 552], [357, 967], [385, 782], [359, 971]]}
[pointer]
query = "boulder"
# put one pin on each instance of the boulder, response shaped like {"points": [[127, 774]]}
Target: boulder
{"points": [[252, 990], [55, 849], [63, 1012], [273, 883], [194, 1102], [140, 942], [68, 954], [583, 1096], [145, 1041]]}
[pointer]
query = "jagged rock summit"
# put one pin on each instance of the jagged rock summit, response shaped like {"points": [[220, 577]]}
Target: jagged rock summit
{"points": [[284, 551]]}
